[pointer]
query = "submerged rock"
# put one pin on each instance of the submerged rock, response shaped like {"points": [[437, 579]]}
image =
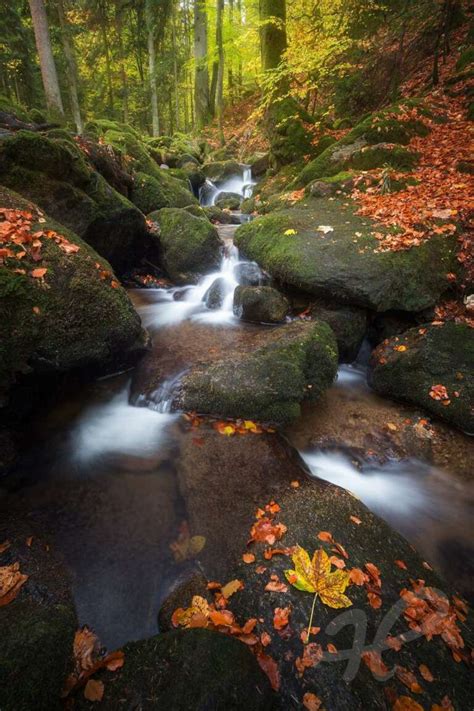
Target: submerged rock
{"points": [[74, 314], [223, 217], [55, 175], [325, 249], [432, 367], [190, 246], [215, 295], [37, 628], [209, 482], [260, 304], [287, 365], [249, 274], [187, 670]]}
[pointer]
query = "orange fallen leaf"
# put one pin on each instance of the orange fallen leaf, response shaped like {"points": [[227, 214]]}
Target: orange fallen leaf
{"points": [[355, 520], [232, 587], [408, 678], [11, 582], [425, 673], [401, 564], [248, 558], [94, 690], [357, 576], [375, 600], [265, 639], [295, 484], [405, 703], [38, 273], [281, 617], [375, 663], [332, 649], [325, 536], [311, 702]]}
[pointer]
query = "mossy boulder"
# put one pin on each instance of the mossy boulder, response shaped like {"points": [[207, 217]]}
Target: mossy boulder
{"points": [[345, 264], [190, 246], [150, 193], [55, 175], [185, 670], [37, 628], [260, 304], [286, 131], [220, 171], [407, 367], [228, 201], [215, 295], [223, 217], [285, 366], [349, 324], [259, 163], [75, 315]]}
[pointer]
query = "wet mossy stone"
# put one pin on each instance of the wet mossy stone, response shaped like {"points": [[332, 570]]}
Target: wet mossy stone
{"points": [[187, 670], [259, 163], [260, 304], [71, 318], [220, 171], [349, 324], [55, 175], [215, 295], [286, 130], [37, 628], [190, 246], [228, 201], [344, 264], [196, 210], [287, 364], [216, 215], [438, 355], [150, 193]]}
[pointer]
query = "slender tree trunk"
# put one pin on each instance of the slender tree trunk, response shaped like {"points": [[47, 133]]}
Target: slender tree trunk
{"points": [[105, 42], [48, 67], [152, 68], [240, 74], [220, 70], [175, 69], [201, 79], [121, 53], [273, 41], [72, 66], [230, 69]]}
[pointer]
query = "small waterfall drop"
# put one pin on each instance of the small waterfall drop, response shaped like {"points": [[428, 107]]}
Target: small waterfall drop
{"points": [[240, 184]]}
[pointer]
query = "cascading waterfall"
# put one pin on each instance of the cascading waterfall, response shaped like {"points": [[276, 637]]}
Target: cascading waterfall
{"points": [[239, 184]]}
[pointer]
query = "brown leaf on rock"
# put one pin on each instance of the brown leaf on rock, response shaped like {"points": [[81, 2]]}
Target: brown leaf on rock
{"points": [[405, 703], [325, 536], [231, 588], [311, 702], [355, 520], [312, 655], [248, 558], [357, 576], [11, 582], [408, 678], [425, 673], [4, 546], [281, 617], [401, 564], [94, 690], [375, 663], [270, 667]]}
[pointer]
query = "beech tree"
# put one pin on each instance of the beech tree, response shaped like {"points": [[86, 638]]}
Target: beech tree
{"points": [[45, 53], [201, 79]]}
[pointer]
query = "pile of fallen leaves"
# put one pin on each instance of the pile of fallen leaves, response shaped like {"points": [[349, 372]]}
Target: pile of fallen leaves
{"points": [[228, 428], [11, 579]]}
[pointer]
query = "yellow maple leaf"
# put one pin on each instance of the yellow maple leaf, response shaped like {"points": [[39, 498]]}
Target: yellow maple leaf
{"points": [[315, 576], [290, 232]]}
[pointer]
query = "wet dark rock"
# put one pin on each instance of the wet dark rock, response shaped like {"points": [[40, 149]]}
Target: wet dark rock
{"points": [[260, 163], [190, 246], [223, 217], [325, 249], [37, 628], [77, 316], [207, 485], [260, 304], [349, 324], [228, 201], [56, 176], [215, 295], [221, 170], [287, 365], [321, 189], [406, 367], [189, 583], [186, 670], [249, 274]]}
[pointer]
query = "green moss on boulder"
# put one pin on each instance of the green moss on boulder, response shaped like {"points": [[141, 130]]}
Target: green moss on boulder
{"points": [[190, 245], [220, 171], [150, 193], [344, 264], [438, 355], [260, 304]]}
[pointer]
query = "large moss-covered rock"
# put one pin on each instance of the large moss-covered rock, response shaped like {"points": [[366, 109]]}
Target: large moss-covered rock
{"points": [[208, 484], [346, 264], [228, 201], [349, 324], [286, 365], [152, 192], [286, 131], [190, 245], [37, 628], [55, 175], [222, 170], [407, 367], [187, 670], [73, 315], [260, 304]]}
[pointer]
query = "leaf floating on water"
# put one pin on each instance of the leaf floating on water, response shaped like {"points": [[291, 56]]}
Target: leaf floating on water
{"points": [[11, 582], [186, 546]]}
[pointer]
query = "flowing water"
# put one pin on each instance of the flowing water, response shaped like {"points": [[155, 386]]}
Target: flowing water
{"points": [[240, 184], [100, 474]]}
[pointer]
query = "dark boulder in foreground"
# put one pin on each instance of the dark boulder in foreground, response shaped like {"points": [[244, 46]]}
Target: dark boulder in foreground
{"points": [[349, 324], [190, 246], [212, 477], [432, 367], [62, 310], [37, 628], [187, 670], [285, 366], [55, 175], [325, 249], [260, 304]]}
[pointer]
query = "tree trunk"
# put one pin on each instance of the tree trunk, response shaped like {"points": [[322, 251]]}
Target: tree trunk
{"points": [[175, 70], [230, 69], [72, 67], [273, 41], [201, 79], [108, 68], [48, 68], [239, 79], [152, 69], [121, 53], [220, 70]]}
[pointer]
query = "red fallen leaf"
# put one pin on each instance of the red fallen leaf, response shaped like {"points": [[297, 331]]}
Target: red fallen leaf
{"points": [[394, 643], [94, 690], [221, 617], [115, 660], [213, 585], [304, 634], [425, 673], [312, 655], [332, 649], [272, 507], [375, 600], [265, 639], [276, 586], [260, 569], [249, 639], [38, 273], [357, 576], [270, 552], [281, 617], [460, 604], [267, 531], [408, 678], [326, 537], [249, 626], [338, 562], [375, 663], [339, 548], [270, 667], [355, 520], [401, 564], [248, 558], [405, 703], [311, 702], [114, 284], [438, 392], [374, 574]]}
